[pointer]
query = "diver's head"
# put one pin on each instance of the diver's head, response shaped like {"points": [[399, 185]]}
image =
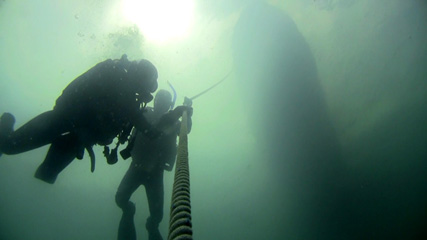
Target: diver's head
{"points": [[162, 101], [144, 74]]}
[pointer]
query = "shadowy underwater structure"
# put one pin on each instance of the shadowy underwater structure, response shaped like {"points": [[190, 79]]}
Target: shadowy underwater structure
{"points": [[290, 119], [320, 195]]}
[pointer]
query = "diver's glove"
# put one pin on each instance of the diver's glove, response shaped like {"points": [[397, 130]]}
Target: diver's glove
{"points": [[188, 102], [111, 156]]}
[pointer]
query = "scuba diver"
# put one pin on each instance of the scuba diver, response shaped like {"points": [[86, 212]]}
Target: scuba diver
{"points": [[98, 106], [150, 157]]}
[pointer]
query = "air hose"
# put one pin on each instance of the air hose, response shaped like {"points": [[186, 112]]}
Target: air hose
{"points": [[180, 227]]}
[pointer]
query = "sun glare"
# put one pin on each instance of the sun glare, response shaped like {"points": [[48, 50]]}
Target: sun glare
{"points": [[160, 20]]}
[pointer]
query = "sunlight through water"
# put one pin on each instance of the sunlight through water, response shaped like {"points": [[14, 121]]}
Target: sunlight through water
{"points": [[160, 20]]}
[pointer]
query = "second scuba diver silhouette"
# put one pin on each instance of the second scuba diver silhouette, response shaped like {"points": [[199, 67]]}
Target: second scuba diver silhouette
{"points": [[150, 157]]}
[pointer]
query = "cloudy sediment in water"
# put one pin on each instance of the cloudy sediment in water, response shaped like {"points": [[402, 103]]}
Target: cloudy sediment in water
{"points": [[319, 132]]}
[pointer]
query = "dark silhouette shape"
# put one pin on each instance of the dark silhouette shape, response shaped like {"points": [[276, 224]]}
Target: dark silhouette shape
{"points": [[150, 157], [96, 107], [290, 116]]}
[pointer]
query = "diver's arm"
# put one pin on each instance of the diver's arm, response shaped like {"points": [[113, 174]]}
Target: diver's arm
{"points": [[142, 125], [169, 119]]}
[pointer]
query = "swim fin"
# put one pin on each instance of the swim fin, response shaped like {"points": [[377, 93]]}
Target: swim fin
{"points": [[7, 121]]}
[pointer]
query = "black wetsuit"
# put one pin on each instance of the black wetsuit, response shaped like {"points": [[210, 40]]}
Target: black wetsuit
{"points": [[93, 109], [150, 157]]}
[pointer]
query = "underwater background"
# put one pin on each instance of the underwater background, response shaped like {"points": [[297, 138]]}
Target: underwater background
{"points": [[319, 132]]}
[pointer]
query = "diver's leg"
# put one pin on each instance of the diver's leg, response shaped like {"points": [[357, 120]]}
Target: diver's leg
{"points": [[62, 152], [38, 132], [127, 187], [155, 195]]}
